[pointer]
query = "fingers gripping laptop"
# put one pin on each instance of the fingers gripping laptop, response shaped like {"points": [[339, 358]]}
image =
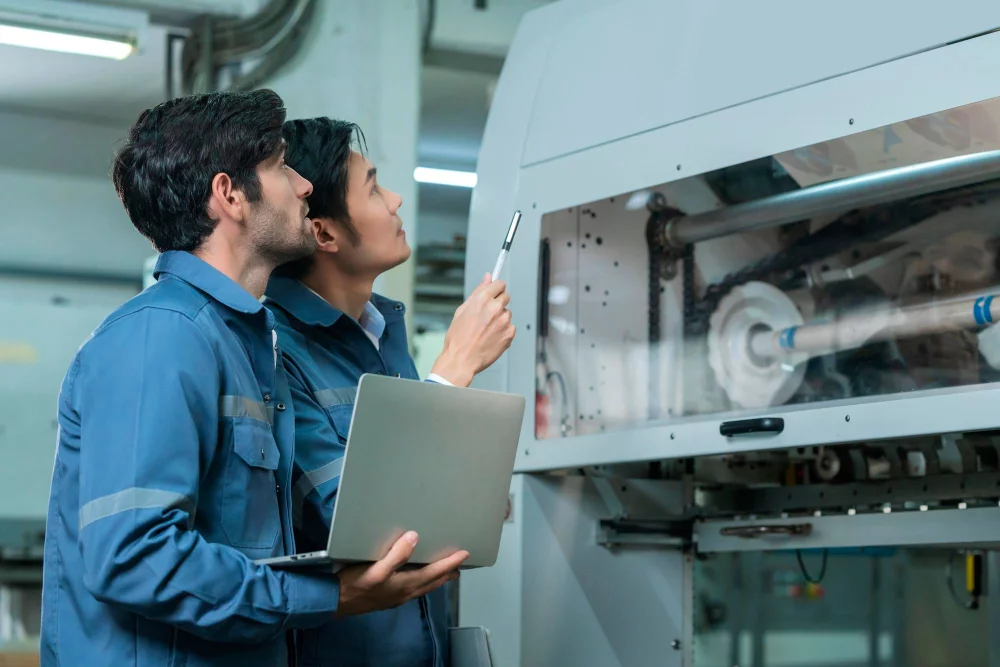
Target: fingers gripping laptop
{"points": [[424, 457]]}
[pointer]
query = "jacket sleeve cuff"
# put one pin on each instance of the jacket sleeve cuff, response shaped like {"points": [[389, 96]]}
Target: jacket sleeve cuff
{"points": [[434, 377], [312, 599]]}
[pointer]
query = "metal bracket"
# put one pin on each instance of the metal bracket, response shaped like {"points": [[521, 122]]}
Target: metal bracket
{"points": [[642, 512], [608, 489], [840, 497]]}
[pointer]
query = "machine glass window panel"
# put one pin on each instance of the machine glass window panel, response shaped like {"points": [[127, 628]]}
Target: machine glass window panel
{"points": [[859, 267]]}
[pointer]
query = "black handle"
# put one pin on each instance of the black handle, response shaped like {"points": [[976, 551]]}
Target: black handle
{"points": [[544, 269], [750, 532], [763, 425]]}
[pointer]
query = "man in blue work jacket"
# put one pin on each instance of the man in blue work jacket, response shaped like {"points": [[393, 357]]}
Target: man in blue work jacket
{"points": [[334, 330], [176, 426]]}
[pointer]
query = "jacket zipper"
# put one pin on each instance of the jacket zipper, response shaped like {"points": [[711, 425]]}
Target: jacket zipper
{"points": [[426, 613]]}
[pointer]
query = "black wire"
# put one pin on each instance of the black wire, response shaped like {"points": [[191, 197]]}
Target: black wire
{"points": [[564, 404], [805, 573]]}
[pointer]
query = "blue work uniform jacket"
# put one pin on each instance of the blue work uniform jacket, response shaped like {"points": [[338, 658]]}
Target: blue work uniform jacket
{"points": [[326, 353], [172, 473]]}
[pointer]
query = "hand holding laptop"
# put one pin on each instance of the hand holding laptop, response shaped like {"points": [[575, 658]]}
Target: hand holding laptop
{"points": [[381, 585]]}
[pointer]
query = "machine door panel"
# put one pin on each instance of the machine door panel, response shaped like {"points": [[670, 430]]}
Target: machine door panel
{"points": [[647, 63], [838, 292]]}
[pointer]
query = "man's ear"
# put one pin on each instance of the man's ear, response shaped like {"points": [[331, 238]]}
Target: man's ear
{"points": [[225, 201], [326, 233]]}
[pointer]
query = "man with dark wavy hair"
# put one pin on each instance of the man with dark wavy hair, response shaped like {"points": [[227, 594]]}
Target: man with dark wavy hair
{"points": [[176, 426]]}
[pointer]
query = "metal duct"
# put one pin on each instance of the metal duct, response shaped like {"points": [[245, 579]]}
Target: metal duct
{"points": [[272, 35]]}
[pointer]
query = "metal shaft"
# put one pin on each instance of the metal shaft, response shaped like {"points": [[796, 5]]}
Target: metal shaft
{"points": [[855, 330], [846, 194]]}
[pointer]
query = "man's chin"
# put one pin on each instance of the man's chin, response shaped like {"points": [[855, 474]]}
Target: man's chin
{"points": [[401, 259], [288, 254]]}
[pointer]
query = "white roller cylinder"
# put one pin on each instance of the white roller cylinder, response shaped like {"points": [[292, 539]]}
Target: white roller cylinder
{"points": [[855, 330]]}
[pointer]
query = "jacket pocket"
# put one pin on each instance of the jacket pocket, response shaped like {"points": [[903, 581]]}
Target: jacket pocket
{"points": [[250, 514], [340, 418]]}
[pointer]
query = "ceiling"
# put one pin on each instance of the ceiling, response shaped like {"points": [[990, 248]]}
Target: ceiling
{"points": [[105, 91], [453, 109], [454, 106], [112, 93]]}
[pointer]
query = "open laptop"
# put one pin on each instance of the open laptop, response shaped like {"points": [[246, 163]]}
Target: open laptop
{"points": [[425, 457]]}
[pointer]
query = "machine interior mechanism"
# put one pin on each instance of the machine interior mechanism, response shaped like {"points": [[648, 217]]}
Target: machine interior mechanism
{"points": [[823, 274]]}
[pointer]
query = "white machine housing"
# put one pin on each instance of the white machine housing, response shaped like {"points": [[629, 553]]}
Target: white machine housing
{"points": [[598, 102]]}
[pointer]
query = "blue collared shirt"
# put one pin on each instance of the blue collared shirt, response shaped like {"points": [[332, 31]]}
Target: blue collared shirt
{"points": [[326, 352], [172, 474]]}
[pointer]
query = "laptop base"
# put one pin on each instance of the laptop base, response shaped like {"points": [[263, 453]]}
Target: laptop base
{"points": [[310, 560]]}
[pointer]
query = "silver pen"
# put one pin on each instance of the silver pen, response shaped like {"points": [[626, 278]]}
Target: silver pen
{"points": [[505, 249]]}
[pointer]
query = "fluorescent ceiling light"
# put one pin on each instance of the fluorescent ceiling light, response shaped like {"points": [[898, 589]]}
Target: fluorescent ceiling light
{"points": [[64, 43], [462, 179], [72, 27]]}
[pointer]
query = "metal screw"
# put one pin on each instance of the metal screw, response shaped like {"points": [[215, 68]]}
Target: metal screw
{"points": [[851, 122], [676, 644], [847, 418]]}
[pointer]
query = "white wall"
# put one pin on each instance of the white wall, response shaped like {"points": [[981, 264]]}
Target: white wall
{"points": [[361, 62], [58, 209]]}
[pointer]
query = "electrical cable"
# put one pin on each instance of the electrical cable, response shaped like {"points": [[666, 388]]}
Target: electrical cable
{"points": [[805, 572], [564, 403]]}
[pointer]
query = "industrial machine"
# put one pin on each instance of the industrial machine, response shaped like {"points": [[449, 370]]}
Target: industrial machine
{"points": [[754, 287]]}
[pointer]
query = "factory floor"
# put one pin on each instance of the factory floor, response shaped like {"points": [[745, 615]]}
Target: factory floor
{"points": [[18, 660]]}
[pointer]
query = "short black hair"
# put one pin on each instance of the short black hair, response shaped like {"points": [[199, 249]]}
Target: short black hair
{"points": [[319, 150], [163, 173]]}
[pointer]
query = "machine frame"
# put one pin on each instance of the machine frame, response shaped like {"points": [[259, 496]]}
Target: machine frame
{"points": [[583, 113], [825, 110]]}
